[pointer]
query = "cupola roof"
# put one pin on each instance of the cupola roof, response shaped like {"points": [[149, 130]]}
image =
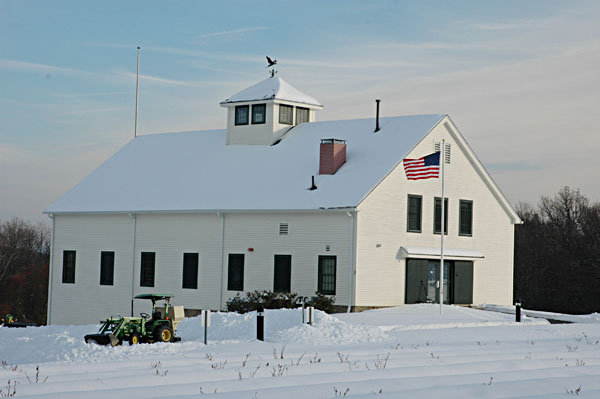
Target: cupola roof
{"points": [[272, 88]]}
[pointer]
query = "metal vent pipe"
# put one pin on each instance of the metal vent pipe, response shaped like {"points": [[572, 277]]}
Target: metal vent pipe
{"points": [[377, 117]]}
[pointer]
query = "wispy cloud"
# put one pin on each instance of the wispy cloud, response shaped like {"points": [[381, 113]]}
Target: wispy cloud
{"points": [[232, 32], [23, 66], [96, 94], [151, 78], [96, 110], [500, 25]]}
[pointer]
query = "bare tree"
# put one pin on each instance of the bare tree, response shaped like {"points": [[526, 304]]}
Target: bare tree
{"points": [[24, 256], [557, 254]]}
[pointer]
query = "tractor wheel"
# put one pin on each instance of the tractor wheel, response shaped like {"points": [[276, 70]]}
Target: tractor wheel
{"points": [[163, 334], [134, 339]]}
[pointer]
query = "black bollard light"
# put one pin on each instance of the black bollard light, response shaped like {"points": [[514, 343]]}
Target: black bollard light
{"points": [[260, 324], [518, 311]]}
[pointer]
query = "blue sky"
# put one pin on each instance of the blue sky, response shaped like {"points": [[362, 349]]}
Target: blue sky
{"points": [[520, 79]]}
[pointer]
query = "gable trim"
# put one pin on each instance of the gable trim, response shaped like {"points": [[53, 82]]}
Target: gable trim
{"points": [[481, 171], [473, 160]]}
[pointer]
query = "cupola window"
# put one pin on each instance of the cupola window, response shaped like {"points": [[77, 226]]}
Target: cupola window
{"points": [[241, 114], [301, 115], [286, 114], [259, 113]]}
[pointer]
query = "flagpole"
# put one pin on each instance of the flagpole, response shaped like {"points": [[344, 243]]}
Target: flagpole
{"points": [[137, 92], [442, 230]]}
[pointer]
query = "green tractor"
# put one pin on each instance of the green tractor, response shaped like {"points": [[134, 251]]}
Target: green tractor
{"points": [[158, 327]]}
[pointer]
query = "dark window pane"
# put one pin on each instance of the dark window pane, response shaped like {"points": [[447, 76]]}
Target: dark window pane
{"points": [[466, 218], [259, 113], [437, 226], [282, 281], [190, 270], [241, 114], [301, 115], [286, 114], [414, 213], [147, 269], [107, 268], [68, 276], [235, 279], [326, 278]]}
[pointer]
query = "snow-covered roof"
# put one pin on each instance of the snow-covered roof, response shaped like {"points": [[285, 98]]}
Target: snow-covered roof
{"points": [[196, 171], [273, 88]]}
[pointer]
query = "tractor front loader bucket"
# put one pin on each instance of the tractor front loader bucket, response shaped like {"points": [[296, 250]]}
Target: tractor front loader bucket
{"points": [[102, 339]]}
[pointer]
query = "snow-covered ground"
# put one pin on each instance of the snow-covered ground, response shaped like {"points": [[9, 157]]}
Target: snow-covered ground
{"points": [[404, 352]]}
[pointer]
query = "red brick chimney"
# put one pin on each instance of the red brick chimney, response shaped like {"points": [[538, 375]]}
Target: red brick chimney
{"points": [[333, 155]]}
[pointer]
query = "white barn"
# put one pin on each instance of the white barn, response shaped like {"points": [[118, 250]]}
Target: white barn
{"points": [[205, 215]]}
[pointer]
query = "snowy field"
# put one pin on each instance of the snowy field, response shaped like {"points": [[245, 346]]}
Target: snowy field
{"points": [[404, 352]]}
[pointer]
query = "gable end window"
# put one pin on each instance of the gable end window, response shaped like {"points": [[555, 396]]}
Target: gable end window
{"points": [[466, 218], [241, 114], [107, 268], [259, 114], [437, 215], [301, 115], [286, 114], [235, 274], [147, 269], [68, 275], [327, 274], [190, 271], [413, 218]]}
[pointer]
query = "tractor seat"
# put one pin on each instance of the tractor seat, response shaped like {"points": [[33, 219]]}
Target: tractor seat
{"points": [[156, 315]]}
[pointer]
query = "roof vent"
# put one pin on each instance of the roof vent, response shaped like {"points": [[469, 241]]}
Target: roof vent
{"points": [[333, 155], [437, 147], [313, 187], [283, 229], [377, 117]]}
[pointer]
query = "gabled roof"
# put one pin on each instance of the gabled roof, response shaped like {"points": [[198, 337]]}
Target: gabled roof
{"points": [[272, 88], [196, 171]]}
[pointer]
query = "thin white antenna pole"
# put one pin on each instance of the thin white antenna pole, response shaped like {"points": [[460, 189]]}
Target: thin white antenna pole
{"points": [[442, 161], [137, 92]]}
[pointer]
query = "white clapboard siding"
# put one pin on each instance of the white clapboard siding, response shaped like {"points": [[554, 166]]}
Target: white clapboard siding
{"points": [[87, 301], [382, 230], [172, 235], [309, 234]]}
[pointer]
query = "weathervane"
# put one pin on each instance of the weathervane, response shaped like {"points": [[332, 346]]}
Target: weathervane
{"points": [[272, 63]]}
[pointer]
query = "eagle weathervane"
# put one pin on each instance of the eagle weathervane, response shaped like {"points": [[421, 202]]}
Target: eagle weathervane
{"points": [[272, 64]]}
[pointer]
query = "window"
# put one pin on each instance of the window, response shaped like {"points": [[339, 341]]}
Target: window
{"points": [[437, 215], [68, 276], [414, 213], [259, 114], [107, 268], [283, 229], [241, 114], [282, 280], [235, 276], [147, 269], [286, 114], [466, 218], [301, 115], [326, 279], [190, 270]]}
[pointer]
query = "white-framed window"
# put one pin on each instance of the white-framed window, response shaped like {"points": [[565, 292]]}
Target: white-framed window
{"points": [[241, 114], [302, 115], [259, 114], [286, 114]]}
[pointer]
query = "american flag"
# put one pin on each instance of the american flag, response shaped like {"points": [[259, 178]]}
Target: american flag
{"points": [[427, 167]]}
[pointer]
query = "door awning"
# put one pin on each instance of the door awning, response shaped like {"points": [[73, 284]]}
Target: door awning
{"points": [[432, 252]]}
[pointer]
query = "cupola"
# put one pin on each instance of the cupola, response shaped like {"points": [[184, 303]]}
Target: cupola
{"points": [[262, 114]]}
